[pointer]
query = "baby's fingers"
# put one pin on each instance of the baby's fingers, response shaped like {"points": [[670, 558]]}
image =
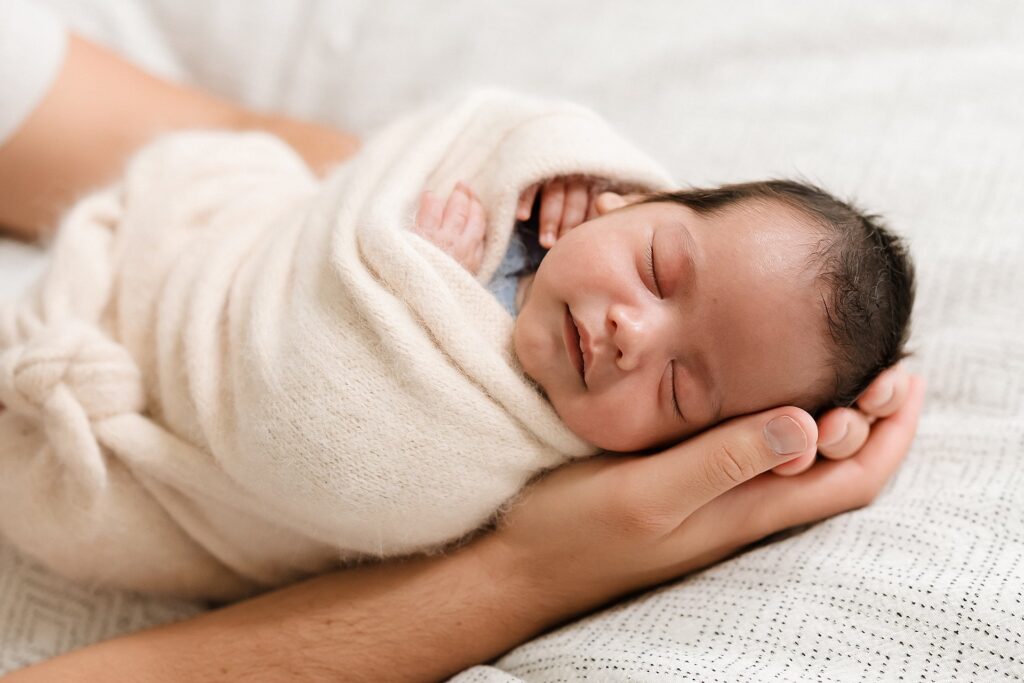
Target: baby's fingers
{"points": [[473, 235], [428, 217], [577, 199], [476, 221], [526, 199], [551, 211], [592, 212], [457, 209]]}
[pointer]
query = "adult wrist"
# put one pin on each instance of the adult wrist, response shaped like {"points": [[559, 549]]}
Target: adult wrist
{"points": [[536, 593]]}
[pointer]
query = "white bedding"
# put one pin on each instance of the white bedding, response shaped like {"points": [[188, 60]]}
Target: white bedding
{"points": [[913, 108]]}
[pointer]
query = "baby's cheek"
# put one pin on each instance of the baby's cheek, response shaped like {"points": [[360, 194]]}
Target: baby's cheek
{"points": [[608, 426]]}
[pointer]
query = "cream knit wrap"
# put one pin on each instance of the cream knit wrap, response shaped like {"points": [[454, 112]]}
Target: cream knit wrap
{"points": [[234, 375]]}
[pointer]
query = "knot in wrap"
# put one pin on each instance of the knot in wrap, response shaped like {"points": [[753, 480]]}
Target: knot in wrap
{"points": [[67, 377]]}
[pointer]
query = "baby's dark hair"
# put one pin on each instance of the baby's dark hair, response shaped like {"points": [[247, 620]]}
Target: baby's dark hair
{"points": [[865, 269]]}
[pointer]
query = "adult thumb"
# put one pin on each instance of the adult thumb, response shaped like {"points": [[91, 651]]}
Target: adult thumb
{"points": [[694, 472]]}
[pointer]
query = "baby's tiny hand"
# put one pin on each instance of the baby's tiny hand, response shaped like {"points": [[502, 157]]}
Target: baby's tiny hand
{"points": [[457, 227], [565, 203]]}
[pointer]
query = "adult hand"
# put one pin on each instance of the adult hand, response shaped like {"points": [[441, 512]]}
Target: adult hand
{"points": [[603, 527], [579, 537], [842, 432]]}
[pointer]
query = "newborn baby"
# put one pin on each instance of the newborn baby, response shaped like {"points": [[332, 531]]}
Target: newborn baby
{"points": [[234, 374], [662, 315]]}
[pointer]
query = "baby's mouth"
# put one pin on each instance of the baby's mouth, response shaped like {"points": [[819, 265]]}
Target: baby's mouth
{"points": [[571, 337]]}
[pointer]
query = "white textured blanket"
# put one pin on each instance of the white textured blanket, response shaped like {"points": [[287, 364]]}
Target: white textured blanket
{"points": [[232, 375]]}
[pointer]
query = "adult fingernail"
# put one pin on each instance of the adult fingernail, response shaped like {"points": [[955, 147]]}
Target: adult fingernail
{"points": [[785, 435], [882, 396], [842, 435]]}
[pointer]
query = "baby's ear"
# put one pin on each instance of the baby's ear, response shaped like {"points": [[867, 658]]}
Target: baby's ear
{"points": [[610, 201]]}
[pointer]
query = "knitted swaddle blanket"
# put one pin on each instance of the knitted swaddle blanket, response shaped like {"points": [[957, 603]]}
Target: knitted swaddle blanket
{"points": [[233, 374]]}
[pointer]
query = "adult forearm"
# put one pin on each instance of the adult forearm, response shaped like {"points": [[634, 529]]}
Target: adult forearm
{"points": [[98, 112], [578, 538], [423, 619]]}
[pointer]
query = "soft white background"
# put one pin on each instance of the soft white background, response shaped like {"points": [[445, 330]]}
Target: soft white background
{"points": [[914, 109]]}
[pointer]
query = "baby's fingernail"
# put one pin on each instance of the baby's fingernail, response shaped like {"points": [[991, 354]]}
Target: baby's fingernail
{"points": [[785, 435]]}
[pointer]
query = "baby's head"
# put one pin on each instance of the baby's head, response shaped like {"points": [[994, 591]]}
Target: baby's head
{"points": [[664, 316]]}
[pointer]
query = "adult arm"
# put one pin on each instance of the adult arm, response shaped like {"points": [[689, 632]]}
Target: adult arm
{"points": [[101, 109], [578, 538]]}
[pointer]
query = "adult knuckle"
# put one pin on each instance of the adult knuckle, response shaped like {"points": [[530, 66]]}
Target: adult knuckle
{"points": [[732, 464]]}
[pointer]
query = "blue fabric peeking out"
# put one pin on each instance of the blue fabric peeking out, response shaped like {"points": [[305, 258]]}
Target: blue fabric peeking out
{"points": [[523, 257]]}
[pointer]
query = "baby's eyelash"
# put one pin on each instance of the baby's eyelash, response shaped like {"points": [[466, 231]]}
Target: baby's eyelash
{"points": [[675, 400], [650, 266]]}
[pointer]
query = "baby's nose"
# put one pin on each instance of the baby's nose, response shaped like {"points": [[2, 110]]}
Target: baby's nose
{"points": [[630, 332]]}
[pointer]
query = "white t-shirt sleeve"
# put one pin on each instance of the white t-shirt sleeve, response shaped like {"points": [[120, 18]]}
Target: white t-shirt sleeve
{"points": [[32, 44]]}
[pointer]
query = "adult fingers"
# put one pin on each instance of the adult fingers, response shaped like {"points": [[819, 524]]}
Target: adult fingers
{"points": [[842, 432], [886, 394], [551, 203], [770, 504], [577, 196], [526, 199], [795, 466], [687, 476]]}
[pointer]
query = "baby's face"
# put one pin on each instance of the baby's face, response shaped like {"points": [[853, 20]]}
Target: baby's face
{"points": [[731, 322]]}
